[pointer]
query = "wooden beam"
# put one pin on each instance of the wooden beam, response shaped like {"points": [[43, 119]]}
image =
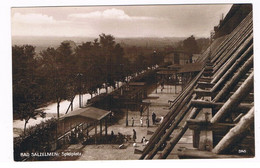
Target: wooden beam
{"points": [[235, 99], [232, 69], [218, 105], [235, 133], [233, 35], [170, 115], [204, 85], [250, 96], [202, 93], [203, 79], [195, 124], [167, 150], [234, 80], [169, 131], [228, 60]]}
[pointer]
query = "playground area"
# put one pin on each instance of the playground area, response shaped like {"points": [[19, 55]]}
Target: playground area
{"points": [[128, 148]]}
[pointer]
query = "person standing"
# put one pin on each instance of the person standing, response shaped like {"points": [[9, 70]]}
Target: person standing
{"points": [[134, 135], [153, 117], [141, 109], [133, 121], [141, 121]]}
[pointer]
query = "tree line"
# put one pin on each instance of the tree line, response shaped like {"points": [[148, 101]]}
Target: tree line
{"points": [[57, 74]]}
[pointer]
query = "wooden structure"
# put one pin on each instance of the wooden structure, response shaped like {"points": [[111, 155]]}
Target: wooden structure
{"points": [[130, 95], [217, 105], [85, 118], [178, 74]]}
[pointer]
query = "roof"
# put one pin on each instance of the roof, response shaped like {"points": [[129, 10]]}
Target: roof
{"points": [[193, 67], [89, 113], [137, 83]]}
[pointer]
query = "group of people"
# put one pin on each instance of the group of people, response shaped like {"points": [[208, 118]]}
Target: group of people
{"points": [[142, 122], [144, 141], [76, 135]]}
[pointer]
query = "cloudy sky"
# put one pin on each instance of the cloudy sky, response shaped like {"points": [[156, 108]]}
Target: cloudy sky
{"points": [[120, 21]]}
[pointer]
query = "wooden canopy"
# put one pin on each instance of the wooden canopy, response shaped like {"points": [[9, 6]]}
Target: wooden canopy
{"points": [[193, 67], [88, 113], [137, 84]]}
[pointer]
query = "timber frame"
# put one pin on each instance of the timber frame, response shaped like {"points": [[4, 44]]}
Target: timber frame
{"points": [[217, 105]]}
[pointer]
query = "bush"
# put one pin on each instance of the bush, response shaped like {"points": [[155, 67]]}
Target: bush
{"points": [[37, 138]]}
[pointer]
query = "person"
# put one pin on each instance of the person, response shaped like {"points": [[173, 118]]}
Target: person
{"points": [[153, 117], [134, 135], [141, 109], [141, 121], [161, 119], [162, 86], [143, 141], [133, 121]]}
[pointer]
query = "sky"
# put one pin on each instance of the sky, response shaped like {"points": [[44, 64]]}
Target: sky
{"points": [[119, 21]]}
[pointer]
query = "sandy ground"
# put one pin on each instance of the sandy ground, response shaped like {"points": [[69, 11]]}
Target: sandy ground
{"points": [[111, 151], [159, 105]]}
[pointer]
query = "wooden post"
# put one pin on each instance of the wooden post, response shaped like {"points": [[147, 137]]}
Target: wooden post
{"points": [[87, 130], [100, 122], [235, 133], [147, 115], [196, 138], [206, 136], [64, 131], [176, 77], [182, 82], [126, 120], [95, 132], [106, 126], [156, 83]]}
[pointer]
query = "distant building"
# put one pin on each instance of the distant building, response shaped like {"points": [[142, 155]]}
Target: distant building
{"points": [[195, 57], [177, 57]]}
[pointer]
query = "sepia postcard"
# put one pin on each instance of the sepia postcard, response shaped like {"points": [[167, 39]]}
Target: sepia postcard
{"points": [[133, 82]]}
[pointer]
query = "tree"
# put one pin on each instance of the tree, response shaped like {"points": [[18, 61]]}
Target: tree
{"points": [[140, 62], [26, 95], [190, 46], [59, 69], [107, 43]]}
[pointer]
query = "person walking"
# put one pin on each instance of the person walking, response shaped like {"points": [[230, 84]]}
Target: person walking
{"points": [[134, 135]]}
